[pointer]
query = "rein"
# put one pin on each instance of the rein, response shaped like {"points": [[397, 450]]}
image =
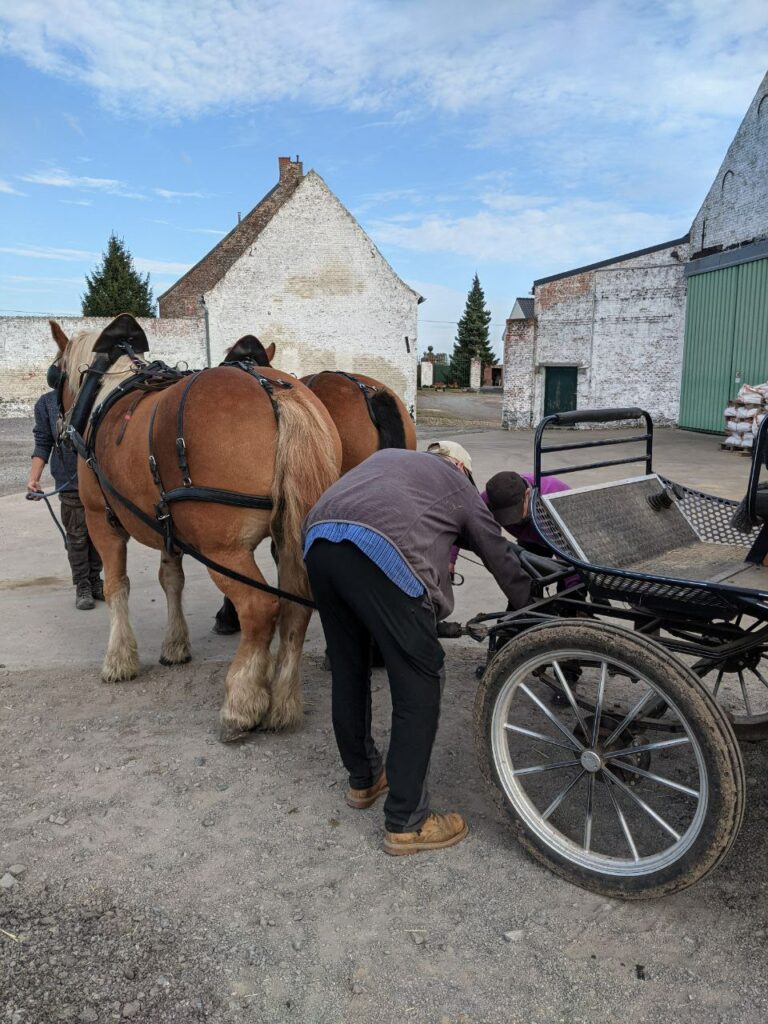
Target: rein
{"points": [[39, 496], [152, 377]]}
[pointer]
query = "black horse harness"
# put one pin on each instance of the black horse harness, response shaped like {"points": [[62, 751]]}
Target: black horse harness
{"points": [[147, 378], [367, 391]]}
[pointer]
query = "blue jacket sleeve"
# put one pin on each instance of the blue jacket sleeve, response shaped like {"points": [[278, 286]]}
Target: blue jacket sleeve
{"points": [[44, 439]]}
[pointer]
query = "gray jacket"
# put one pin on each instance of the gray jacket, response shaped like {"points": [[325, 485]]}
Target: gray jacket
{"points": [[423, 504]]}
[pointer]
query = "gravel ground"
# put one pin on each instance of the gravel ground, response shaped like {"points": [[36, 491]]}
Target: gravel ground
{"points": [[168, 878], [15, 450]]}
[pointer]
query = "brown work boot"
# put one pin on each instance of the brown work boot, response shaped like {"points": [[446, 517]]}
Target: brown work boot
{"points": [[362, 799], [83, 597], [437, 832]]}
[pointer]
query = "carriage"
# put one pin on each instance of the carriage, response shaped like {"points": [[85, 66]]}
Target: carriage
{"points": [[609, 714]]}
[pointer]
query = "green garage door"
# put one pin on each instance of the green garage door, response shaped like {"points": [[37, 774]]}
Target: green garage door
{"points": [[726, 341]]}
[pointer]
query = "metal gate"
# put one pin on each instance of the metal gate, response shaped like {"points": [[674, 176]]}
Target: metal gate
{"points": [[726, 341]]}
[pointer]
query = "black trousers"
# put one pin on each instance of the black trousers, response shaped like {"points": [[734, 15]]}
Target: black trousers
{"points": [[83, 557], [357, 601]]}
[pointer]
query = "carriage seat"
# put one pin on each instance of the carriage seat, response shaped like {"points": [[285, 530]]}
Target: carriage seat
{"points": [[623, 525]]}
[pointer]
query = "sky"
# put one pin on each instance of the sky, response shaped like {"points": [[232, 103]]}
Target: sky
{"points": [[513, 140]]}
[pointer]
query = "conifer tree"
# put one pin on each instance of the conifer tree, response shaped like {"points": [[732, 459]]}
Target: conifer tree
{"points": [[472, 336], [116, 287]]}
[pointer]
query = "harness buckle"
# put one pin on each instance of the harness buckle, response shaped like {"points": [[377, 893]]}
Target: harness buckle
{"points": [[162, 512], [181, 452], [153, 470]]}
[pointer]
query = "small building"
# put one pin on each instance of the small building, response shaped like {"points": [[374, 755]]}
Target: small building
{"points": [[299, 271], [674, 328]]}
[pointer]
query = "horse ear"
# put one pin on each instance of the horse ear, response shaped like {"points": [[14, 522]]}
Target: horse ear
{"points": [[270, 350], [123, 328], [58, 336]]}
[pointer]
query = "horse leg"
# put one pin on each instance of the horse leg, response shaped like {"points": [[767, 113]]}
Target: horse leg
{"points": [[287, 708], [175, 649], [248, 679], [121, 660]]}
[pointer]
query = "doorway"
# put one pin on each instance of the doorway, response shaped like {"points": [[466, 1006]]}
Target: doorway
{"points": [[559, 389]]}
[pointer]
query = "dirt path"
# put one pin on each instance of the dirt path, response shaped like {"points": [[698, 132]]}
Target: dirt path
{"points": [[170, 878]]}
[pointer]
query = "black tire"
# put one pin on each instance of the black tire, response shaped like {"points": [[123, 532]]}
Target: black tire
{"points": [[708, 724]]}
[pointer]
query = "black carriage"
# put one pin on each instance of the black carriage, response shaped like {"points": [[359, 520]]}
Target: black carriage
{"points": [[608, 713]]}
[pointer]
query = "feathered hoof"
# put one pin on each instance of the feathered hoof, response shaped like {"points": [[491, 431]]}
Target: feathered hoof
{"points": [[119, 673], [284, 717], [232, 732], [175, 654]]}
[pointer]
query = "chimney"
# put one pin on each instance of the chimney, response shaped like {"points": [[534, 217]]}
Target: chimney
{"points": [[290, 170]]}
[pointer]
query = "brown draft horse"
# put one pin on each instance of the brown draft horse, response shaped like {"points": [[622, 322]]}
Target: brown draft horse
{"points": [[236, 443], [353, 416]]}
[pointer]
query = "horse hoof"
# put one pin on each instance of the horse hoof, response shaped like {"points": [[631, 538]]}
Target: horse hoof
{"points": [[231, 732], [176, 661], [224, 629]]}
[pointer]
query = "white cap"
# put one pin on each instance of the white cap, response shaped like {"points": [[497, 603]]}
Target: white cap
{"points": [[451, 450]]}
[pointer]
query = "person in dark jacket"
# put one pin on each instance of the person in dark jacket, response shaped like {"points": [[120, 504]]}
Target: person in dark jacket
{"points": [[376, 546], [83, 557]]}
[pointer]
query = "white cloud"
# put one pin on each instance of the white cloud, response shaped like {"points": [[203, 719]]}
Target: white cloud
{"points": [[142, 263], [165, 193], [7, 189], [207, 231], [74, 124], [555, 234], [152, 266], [49, 253], [520, 67], [57, 178]]}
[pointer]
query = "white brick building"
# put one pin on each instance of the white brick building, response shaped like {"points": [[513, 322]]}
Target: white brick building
{"points": [[612, 333], [301, 273], [298, 270]]}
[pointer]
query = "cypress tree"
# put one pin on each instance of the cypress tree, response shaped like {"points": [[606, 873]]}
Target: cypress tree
{"points": [[472, 336], [116, 287]]}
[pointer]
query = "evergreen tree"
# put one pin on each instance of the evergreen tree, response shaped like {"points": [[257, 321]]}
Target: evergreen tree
{"points": [[116, 287], [472, 336]]}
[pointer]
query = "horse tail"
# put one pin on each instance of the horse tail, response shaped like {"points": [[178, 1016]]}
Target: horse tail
{"points": [[307, 462], [389, 419]]}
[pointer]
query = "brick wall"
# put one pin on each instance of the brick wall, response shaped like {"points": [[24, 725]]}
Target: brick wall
{"points": [[621, 324], [518, 374], [27, 350], [736, 207], [315, 285]]}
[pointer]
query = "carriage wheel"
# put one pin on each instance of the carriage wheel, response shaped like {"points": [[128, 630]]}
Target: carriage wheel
{"points": [[619, 802], [740, 686]]}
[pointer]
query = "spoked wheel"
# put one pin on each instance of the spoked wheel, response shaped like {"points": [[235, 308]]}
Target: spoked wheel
{"points": [[740, 686], [631, 784]]}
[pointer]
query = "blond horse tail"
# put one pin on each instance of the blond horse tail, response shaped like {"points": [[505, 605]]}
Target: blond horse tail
{"points": [[306, 464]]}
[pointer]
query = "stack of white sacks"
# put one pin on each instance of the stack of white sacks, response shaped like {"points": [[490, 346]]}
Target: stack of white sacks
{"points": [[744, 416]]}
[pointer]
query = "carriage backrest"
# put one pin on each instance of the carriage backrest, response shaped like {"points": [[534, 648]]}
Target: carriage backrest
{"points": [[616, 525]]}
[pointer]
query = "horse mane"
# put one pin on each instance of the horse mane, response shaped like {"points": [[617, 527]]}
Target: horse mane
{"points": [[391, 429], [248, 347], [79, 354]]}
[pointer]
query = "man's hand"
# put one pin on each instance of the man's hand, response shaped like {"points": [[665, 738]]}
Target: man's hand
{"points": [[452, 568], [33, 484]]}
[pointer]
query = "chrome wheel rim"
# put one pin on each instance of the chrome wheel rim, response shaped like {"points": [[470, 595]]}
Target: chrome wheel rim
{"points": [[591, 776]]}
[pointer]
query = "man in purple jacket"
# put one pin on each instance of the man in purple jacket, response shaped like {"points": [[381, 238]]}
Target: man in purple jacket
{"points": [[508, 496]]}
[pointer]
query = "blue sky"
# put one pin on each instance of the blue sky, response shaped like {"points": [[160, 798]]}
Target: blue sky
{"points": [[512, 139]]}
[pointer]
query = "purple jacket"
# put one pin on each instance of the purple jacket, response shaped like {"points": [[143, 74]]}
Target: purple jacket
{"points": [[524, 534]]}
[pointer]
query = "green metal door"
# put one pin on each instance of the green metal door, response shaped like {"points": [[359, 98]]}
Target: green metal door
{"points": [[707, 385], [559, 389], [749, 361], [726, 341]]}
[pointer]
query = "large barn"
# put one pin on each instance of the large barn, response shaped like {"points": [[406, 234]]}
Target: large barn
{"points": [[674, 328], [299, 271]]}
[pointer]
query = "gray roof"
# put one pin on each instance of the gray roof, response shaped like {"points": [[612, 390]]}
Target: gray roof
{"points": [[526, 307]]}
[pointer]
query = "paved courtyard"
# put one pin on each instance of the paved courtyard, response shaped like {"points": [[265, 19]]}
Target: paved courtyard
{"points": [[169, 878]]}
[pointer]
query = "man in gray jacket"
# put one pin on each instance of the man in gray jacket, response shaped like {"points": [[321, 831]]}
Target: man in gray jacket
{"points": [[377, 548]]}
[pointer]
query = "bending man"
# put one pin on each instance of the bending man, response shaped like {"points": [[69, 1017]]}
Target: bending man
{"points": [[376, 548]]}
